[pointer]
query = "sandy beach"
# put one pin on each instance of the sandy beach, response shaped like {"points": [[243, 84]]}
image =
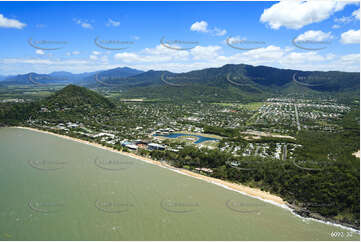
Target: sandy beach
{"points": [[253, 192]]}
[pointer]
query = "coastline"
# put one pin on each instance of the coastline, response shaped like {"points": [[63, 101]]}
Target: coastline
{"points": [[245, 190], [253, 192]]}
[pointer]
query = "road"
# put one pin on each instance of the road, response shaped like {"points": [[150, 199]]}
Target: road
{"points": [[284, 157], [297, 120]]}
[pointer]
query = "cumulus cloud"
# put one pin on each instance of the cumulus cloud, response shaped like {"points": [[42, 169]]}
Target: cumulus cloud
{"points": [[10, 23], [202, 26], [296, 14], [314, 35], [205, 52], [350, 37]]}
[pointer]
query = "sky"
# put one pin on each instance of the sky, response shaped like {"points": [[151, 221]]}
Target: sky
{"points": [[78, 37]]}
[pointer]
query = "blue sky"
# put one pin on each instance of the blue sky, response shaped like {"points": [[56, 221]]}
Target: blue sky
{"points": [[292, 34]]}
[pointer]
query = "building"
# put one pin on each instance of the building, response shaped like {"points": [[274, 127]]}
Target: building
{"points": [[154, 146]]}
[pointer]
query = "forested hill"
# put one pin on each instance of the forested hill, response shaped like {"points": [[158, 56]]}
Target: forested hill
{"points": [[78, 99], [73, 96]]}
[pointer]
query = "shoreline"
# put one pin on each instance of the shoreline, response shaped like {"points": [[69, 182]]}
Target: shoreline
{"points": [[245, 190], [253, 192]]}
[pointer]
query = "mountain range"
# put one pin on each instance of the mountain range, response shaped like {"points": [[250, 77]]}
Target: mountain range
{"points": [[231, 81]]}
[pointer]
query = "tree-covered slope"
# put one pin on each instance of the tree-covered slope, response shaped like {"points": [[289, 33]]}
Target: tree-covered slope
{"points": [[73, 95]]}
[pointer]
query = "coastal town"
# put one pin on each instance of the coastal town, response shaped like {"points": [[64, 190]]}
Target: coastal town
{"points": [[172, 127], [181, 121]]}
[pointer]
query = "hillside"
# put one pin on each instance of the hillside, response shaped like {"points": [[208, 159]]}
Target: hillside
{"points": [[73, 99], [75, 96]]}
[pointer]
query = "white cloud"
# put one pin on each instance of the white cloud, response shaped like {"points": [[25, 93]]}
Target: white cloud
{"points": [[104, 59], [264, 55], [157, 54], [40, 52], [296, 14], [10, 23], [219, 32], [350, 37], [83, 24], [336, 26], [112, 23], [96, 53], [314, 35], [202, 26], [351, 59], [302, 57], [205, 52], [270, 56], [162, 50], [356, 14], [343, 20], [93, 57]]}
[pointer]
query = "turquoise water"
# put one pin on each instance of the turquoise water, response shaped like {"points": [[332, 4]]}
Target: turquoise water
{"points": [[57, 189], [176, 135]]}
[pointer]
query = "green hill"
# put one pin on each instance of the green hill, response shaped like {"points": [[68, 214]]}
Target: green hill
{"points": [[75, 96]]}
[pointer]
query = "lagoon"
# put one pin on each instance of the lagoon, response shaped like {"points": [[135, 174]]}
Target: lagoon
{"points": [[176, 135]]}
